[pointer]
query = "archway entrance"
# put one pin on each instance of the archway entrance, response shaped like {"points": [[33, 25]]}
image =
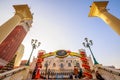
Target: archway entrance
{"points": [[62, 64]]}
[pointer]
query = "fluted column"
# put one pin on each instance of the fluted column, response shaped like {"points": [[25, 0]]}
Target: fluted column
{"points": [[98, 9]]}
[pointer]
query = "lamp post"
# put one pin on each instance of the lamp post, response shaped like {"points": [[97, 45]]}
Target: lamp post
{"points": [[35, 44], [87, 44]]}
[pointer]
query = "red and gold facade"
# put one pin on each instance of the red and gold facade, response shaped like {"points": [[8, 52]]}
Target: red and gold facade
{"points": [[62, 65], [13, 32]]}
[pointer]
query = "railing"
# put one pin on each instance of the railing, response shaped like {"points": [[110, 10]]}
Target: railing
{"points": [[20, 73], [109, 73]]}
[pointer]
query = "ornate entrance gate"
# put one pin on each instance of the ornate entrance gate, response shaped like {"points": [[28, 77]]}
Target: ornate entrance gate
{"points": [[61, 54]]}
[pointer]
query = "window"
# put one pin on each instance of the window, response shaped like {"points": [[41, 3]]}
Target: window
{"points": [[69, 64], [77, 64], [61, 65], [54, 65]]}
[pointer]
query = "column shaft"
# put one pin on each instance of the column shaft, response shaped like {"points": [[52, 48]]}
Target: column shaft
{"points": [[111, 20], [7, 27]]}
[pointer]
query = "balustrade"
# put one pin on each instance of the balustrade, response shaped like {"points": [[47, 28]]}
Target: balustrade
{"points": [[109, 73], [20, 73]]}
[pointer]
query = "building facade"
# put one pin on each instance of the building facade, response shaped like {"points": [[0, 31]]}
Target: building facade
{"points": [[62, 63]]}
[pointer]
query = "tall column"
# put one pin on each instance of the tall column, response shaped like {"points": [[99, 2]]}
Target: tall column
{"points": [[22, 13], [13, 32], [98, 9], [6, 28]]}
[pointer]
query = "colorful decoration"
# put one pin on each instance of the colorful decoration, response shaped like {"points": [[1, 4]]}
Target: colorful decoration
{"points": [[38, 65], [85, 65], [40, 60], [37, 75], [68, 51], [63, 54], [40, 53], [75, 70], [50, 52], [83, 59]]}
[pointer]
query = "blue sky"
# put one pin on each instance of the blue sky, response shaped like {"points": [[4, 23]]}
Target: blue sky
{"points": [[63, 24]]}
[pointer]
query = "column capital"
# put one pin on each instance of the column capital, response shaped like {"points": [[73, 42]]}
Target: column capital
{"points": [[23, 11], [96, 8]]}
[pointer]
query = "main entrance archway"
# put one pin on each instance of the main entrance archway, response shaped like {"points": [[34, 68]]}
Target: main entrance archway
{"points": [[60, 58]]}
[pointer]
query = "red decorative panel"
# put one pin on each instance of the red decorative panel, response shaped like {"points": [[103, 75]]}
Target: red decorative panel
{"points": [[10, 45]]}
